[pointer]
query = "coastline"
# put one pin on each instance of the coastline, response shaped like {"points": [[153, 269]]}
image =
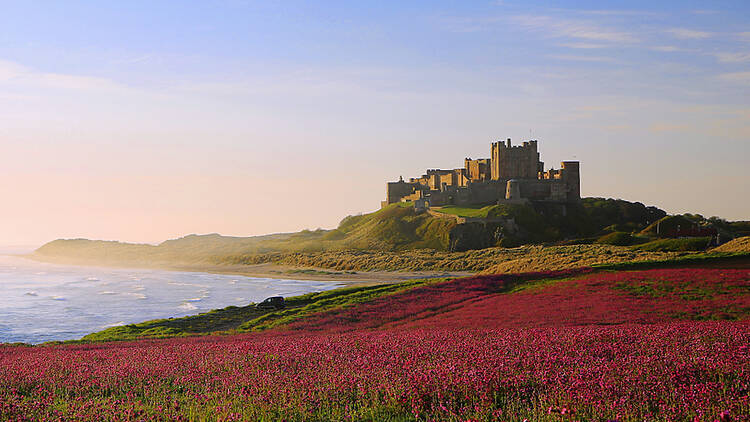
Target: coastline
{"points": [[276, 271], [269, 270]]}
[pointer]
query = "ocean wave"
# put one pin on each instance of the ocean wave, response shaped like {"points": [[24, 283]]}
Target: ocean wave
{"points": [[92, 279], [187, 306], [139, 296], [179, 283], [114, 324], [31, 294], [107, 292], [57, 297]]}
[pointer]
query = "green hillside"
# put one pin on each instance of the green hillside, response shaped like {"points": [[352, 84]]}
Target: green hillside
{"points": [[395, 229], [392, 228]]}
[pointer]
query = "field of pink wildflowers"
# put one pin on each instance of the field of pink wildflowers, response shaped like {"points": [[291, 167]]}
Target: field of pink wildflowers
{"points": [[669, 345]]}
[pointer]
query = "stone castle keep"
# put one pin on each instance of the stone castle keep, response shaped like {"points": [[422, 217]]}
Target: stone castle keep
{"points": [[514, 174]]}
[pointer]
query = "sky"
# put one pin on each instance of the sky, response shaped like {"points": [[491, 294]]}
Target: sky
{"points": [[143, 121]]}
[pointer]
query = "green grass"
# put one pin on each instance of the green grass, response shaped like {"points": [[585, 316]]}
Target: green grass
{"points": [[620, 239], [247, 318], [216, 320], [479, 211], [305, 305], [675, 245], [668, 224], [686, 260]]}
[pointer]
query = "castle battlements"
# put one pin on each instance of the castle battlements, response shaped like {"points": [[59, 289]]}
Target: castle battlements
{"points": [[512, 174]]}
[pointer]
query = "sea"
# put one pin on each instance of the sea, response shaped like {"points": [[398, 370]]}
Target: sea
{"points": [[42, 302]]}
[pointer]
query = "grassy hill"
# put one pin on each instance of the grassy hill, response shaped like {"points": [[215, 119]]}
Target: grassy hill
{"points": [[741, 245], [393, 228], [382, 239]]}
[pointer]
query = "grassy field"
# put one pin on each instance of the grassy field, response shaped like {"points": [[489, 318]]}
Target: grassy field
{"points": [[234, 319], [660, 345]]}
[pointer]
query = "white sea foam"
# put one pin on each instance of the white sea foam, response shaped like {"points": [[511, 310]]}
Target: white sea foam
{"points": [[177, 283], [74, 304], [187, 306], [114, 324]]}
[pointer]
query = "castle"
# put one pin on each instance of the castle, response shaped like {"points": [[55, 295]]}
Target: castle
{"points": [[514, 174]]}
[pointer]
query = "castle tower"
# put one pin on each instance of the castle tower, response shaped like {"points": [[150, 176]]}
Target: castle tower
{"points": [[571, 176], [519, 162]]}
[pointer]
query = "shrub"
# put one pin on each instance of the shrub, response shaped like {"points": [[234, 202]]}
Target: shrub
{"points": [[617, 239]]}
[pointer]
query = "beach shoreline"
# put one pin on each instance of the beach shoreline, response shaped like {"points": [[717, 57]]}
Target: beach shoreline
{"points": [[276, 271]]}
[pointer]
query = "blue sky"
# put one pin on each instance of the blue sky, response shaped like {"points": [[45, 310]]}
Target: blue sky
{"points": [[147, 120]]}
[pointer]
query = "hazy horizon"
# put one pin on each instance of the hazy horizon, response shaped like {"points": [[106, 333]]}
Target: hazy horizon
{"points": [[145, 121]]}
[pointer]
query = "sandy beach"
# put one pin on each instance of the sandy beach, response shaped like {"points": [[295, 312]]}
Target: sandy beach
{"points": [[270, 270]]}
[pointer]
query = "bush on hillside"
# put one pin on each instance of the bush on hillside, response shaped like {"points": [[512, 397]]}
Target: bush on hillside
{"points": [[668, 225], [617, 239], [676, 245]]}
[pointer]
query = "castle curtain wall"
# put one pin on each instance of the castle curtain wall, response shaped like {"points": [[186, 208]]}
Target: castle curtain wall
{"points": [[484, 181]]}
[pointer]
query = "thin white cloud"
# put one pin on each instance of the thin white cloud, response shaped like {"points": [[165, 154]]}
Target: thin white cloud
{"points": [[17, 74], [733, 57], [744, 36], [705, 12], [134, 60], [576, 29], [571, 57], [741, 78], [10, 70], [617, 12], [455, 24], [688, 34], [668, 48], [583, 45], [667, 127]]}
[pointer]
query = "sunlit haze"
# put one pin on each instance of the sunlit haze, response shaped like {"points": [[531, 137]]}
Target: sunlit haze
{"points": [[143, 121]]}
